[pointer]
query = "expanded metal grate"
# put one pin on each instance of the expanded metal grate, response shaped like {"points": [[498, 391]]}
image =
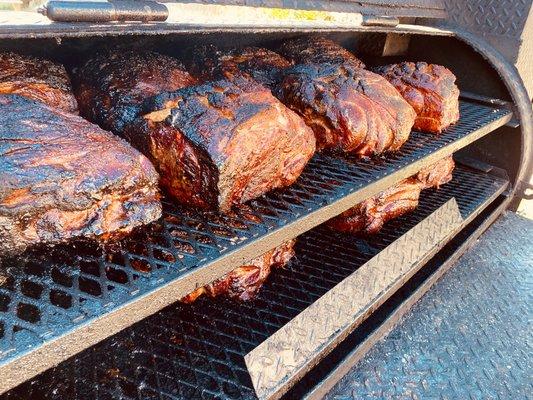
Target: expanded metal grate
{"points": [[197, 351], [50, 292]]}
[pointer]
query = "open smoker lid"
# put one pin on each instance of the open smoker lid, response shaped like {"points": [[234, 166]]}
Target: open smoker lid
{"points": [[21, 18]]}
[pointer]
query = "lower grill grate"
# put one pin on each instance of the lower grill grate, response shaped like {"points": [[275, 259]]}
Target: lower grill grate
{"points": [[197, 351]]}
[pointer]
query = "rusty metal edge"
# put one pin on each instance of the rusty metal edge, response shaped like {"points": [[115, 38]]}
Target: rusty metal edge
{"points": [[341, 336], [325, 385], [60, 348]]}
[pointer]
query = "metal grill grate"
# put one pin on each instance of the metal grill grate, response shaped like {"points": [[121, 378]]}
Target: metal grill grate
{"points": [[51, 292], [196, 351]]}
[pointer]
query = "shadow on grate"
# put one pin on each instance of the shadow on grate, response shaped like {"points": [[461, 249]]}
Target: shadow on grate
{"points": [[197, 351]]}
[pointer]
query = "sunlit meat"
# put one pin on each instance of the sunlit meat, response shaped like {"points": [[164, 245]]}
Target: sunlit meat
{"points": [[222, 143], [36, 79], [63, 177], [350, 109]]}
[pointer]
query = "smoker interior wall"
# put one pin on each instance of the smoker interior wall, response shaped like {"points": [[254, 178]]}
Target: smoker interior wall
{"points": [[473, 72]]}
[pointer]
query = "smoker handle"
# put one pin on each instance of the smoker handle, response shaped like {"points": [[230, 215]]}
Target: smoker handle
{"points": [[93, 11]]}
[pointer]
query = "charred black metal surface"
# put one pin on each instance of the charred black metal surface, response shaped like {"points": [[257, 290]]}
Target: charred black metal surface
{"points": [[196, 351]]}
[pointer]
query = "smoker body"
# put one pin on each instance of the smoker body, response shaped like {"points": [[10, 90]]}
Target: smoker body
{"points": [[54, 307]]}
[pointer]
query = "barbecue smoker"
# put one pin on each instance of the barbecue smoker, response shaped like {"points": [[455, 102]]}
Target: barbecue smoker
{"points": [[81, 321]]}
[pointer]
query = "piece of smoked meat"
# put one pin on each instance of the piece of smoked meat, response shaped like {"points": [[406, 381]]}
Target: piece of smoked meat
{"points": [[431, 91], [317, 50], [369, 216], [244, 282], [111, 87], [37, 79], [63, 177], [222, 143], [350, 109], [262, 65]]}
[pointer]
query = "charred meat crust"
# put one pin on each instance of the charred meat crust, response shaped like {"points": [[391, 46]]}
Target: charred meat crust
{"points": [[317, 50], [262, 65], [231, 141], [244, 282], [431, 91], [63, 177], [37, 79], [350, 109], [111, 87]]}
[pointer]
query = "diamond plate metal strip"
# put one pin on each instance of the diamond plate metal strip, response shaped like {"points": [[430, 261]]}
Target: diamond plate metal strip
{"points": [[295, 347], [467, 338]]}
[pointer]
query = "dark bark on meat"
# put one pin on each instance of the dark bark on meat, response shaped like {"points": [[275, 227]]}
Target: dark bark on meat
{"points": [[244, 282], [317, 50], [262, 65], [369, 216], [63, 177], [222, 143], [350, 109], [111, 87], [36, 79], [431, 91]]}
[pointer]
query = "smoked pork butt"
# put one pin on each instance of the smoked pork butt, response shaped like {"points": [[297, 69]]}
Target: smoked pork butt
{"points": [[222, 143], [369, 216], [111, 87], [244, 282], [317, 50], [350, 109], [63, 177], [37, 79], [431, 91]]}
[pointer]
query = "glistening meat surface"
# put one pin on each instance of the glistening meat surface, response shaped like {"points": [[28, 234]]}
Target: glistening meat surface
{"points": [[222, 143], [63, 177], [350, 109], [431, 91]]}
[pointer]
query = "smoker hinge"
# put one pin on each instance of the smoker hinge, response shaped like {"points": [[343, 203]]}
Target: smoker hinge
{"points": [[379, 20]]}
